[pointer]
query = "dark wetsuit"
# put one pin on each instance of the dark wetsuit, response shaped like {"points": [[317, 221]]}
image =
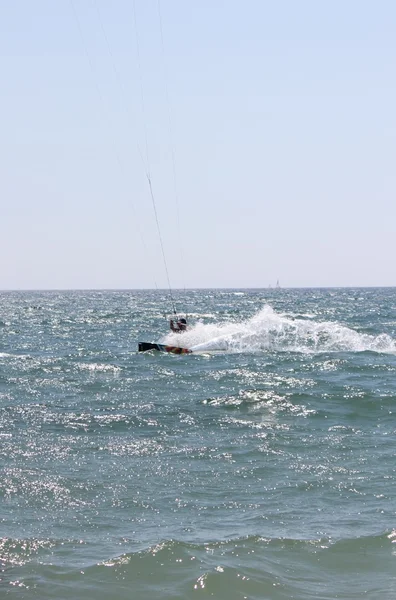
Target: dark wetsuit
{"points": [[179, 327]]}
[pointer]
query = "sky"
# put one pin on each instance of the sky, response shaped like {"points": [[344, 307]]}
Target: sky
{"points": [[267, 129]]}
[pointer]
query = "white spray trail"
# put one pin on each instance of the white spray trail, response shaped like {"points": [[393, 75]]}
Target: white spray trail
{"points": [[268, 330]]}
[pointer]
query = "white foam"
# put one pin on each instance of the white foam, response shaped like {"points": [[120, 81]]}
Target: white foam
{"points": [[268, 330]]}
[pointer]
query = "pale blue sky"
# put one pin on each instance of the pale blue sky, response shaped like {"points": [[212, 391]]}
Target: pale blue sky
{"points": [[283, 127]]}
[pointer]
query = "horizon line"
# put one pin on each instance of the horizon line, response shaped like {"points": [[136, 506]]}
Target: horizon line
{"points": [[143, 289]]}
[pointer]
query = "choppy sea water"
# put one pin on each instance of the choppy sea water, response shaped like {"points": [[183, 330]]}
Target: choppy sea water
{"points": [[264, 470]]}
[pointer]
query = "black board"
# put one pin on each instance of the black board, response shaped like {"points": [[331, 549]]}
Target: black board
{"points": [[144, 346]]}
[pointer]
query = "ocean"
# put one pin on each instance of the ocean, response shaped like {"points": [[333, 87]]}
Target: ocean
{"points": [[263, 466]]}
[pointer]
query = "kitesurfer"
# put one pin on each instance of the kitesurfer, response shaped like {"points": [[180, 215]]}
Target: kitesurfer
{"points": [[179, 326]]}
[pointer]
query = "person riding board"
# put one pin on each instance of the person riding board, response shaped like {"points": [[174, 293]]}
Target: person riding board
{"points": [[179, 326]]}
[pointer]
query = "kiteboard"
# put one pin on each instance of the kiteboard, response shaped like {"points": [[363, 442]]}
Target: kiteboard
{"points": [[144, 346]]}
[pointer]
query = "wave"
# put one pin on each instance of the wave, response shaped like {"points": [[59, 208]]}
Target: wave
{"points": [[99, 367], [17, 551], [269, 330], [255, 567]]}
